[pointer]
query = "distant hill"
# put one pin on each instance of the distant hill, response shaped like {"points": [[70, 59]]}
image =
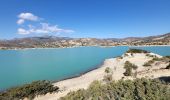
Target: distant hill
{"points": [[150, 40], [55, 42]]}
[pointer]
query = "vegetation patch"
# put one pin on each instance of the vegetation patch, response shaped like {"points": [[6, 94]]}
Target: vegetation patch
{"points": [[168, 67], [119, 57], [149, 55], [158, 59], [137, 51], [126, 55], [149, 63], [163, 59], [108, 70], [28, 90], [129, 66], [108, 76], [138, 89], [167, 57]]}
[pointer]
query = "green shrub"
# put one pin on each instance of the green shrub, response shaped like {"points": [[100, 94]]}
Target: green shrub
{"points": [[137, 51], [108, 70], [148, 63], [126, 55], [167, 57], [128, 67], [157, 59], [78, 95], [163, 59], [108, 78], [28, 90], [138, 89], [149, 55], [119, 57], [95, 89], [128, 72]]}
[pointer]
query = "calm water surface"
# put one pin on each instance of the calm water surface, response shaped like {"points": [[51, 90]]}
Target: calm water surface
{"points": [[18, 67]]}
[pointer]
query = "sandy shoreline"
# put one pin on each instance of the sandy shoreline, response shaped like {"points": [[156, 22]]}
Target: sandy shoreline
{"points": [[116, 64], [80, 74], [73, 84]]}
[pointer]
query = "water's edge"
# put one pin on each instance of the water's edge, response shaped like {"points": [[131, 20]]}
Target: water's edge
{"points": [[81, 73]]}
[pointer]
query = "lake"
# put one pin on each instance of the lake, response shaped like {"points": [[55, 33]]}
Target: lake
{"points": [[18, 67]]}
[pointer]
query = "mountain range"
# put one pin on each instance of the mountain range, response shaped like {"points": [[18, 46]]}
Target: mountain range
{"points": [[56, 42]]}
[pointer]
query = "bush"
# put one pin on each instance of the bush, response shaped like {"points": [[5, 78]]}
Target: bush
{"points": [[149, 55], [119, 57], [138, 89], [108, 78], [129, 66], [78, 95], [108, 70], [148, 63], [157, 59], [168, 67], [137, 51], [126, 55], [163, 59], [167, 57], [28, 90], [128, 72]]}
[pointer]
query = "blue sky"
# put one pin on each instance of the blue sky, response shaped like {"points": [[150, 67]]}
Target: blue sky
{"points": [[84, 18]]}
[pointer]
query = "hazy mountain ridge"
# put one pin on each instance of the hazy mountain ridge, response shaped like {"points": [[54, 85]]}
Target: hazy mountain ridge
{"points": [[55, 42]]}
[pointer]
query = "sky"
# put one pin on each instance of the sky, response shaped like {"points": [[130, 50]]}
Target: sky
{"points": [[84, 18]]}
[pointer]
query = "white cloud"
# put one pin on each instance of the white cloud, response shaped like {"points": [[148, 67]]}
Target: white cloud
{"points": [[20, 21], [26, 16], [44, 28], [23, 31], [54, 29]]}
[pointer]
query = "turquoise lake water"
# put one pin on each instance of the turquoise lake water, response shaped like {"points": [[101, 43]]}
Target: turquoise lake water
{"points": [[18, 67]]}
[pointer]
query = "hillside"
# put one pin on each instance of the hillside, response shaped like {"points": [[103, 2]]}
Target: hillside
{"points": [[60, 42]]}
